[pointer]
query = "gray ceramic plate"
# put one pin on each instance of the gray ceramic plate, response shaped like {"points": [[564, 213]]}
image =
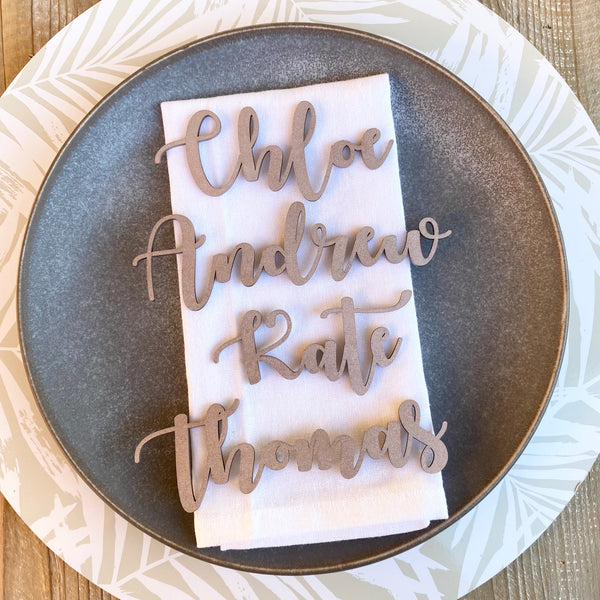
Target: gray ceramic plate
{"points": [[107, 365]]}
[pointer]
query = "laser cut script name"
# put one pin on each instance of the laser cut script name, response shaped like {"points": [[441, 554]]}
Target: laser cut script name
{"points": [[341, 153], [318, 357], [276, 259], [395, 442]]}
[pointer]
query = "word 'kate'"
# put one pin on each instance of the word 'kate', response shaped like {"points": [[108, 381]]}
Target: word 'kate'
{"points": [[341, 153], [394, 441], [275, 259], [318, 357]]}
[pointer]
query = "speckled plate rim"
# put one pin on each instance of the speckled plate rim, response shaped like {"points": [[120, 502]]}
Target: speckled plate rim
{"points": [[466, 559]]}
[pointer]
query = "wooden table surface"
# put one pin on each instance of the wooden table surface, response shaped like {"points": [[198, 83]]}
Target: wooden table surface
{"points": [[564, 564]]}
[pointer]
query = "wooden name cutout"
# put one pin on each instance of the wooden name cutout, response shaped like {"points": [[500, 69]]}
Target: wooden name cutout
{"points": [[318, 357], [275, 260], [394, 441], [341, 153]]}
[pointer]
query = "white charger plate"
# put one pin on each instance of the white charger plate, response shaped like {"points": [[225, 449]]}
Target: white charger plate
{"points": [[97, 51]]}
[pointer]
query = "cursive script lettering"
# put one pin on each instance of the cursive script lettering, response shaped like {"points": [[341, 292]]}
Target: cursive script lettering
{"points": [[394, 441], [277, 259], [205, 125], [317, 357]]}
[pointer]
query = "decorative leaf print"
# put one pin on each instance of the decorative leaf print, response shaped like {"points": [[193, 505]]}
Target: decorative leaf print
{"points": [[416, 570], [114, 39]]}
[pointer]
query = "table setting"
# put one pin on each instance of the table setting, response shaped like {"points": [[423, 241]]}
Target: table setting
{"points": [[499, 167]]}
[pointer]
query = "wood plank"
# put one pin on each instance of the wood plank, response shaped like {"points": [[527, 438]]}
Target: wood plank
{"points": [[17, 43], [26, 561], [586, 27], [2, 76], [50, 16], [42, 25], [2, 554], [57, 577]]}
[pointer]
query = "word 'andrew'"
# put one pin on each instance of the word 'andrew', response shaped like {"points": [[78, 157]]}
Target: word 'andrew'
{"points": [[277, 259], [394, 441], [341, 153]]}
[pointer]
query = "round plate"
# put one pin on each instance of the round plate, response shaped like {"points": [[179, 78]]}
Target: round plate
{"points": [[108, 367]]}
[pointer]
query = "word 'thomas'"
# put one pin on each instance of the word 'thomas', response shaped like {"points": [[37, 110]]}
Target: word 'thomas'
{"points": [[394, 442]]}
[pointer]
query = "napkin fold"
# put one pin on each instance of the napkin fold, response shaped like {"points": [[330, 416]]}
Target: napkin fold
{"points": [[288, 506]]}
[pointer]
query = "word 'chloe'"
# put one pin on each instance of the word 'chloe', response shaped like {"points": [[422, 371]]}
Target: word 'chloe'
{"points": [[394, 441], [341, 153]]}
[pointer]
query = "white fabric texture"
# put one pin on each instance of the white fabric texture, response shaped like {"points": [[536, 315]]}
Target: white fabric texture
{"points": [[288, 506]]}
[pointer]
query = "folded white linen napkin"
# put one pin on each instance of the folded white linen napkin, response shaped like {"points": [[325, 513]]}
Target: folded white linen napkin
{"points": [[288, 506]]}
